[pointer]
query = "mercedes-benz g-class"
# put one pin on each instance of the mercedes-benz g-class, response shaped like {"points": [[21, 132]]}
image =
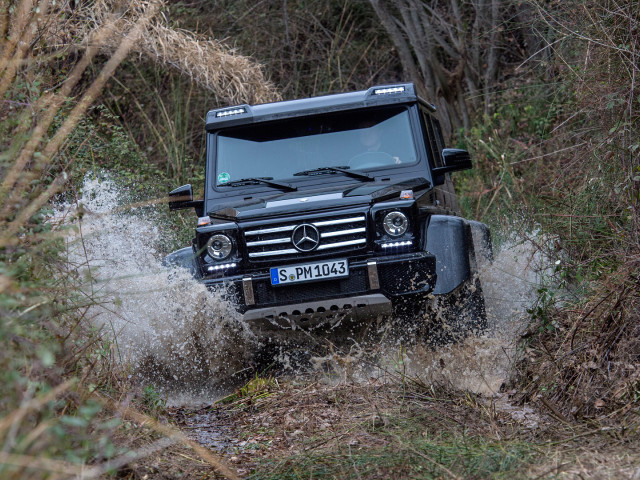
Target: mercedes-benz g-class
{"points": [[334, 207]]}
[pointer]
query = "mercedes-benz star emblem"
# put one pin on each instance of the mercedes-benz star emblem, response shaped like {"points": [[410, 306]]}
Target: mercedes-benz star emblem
{"points": [[305, 237]]}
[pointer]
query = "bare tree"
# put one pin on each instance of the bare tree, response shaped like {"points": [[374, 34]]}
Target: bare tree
{"points": [[450, 49]]}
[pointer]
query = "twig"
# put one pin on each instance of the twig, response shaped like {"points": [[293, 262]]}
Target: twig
{"points": [[554, 410]]}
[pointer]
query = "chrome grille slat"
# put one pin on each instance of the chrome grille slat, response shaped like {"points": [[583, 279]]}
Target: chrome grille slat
{"points": [[346, 232], [273, 252], [288, 228], [275, 241], [338, 222], [347, 243], [338, 233]]}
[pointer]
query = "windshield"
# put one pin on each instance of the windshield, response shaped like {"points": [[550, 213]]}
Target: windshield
{"points": [[348, 140]]}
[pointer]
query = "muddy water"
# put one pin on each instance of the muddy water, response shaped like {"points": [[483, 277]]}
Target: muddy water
{"points": [[482, 364], [193, 346], [188, 342]]}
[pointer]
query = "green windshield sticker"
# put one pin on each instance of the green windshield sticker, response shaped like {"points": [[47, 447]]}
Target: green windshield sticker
{"points": [[223, 177]]}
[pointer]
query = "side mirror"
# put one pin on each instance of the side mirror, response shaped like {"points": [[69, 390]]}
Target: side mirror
{"points": [[181, 197], [454, 159]]}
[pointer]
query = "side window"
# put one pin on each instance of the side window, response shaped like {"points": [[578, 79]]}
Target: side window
{"points": [[438, 132], [434, 138]]}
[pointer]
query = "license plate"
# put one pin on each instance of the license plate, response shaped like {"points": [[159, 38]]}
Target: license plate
{"points": [[309, 272]]}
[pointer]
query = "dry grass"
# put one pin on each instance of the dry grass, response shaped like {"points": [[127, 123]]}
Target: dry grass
{"points": [[589, 365], [583, 358], [232, 77], [391, 427], [47, 338]]}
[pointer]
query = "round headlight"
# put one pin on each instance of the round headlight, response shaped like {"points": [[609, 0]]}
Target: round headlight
{"points": [[395, 223], [219, 246]]}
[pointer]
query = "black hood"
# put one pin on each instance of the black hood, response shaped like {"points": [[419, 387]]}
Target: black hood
{"points": [[319, 199]]}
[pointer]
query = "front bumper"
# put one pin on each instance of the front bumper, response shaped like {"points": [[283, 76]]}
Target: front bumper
{"points": [[368, 291]]}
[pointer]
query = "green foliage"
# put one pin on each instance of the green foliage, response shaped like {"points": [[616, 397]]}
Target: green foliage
{"points": [[152, 399], [99, 142], [256, 388], [408, 451], [166, 114]]}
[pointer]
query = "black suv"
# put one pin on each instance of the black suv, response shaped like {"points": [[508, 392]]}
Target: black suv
{"points": [[334, 207]]}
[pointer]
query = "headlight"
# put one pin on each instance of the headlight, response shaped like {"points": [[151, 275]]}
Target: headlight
{"points": [[395, 223], [219, 246]]}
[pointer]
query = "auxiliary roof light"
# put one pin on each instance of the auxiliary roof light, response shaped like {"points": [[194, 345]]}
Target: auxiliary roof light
{"points": [[397, 244], [228, 113], [382, 91]]}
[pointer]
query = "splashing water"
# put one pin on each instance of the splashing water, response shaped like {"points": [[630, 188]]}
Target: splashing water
{"points": [[482, 364], [191, 343], [170, 328]]}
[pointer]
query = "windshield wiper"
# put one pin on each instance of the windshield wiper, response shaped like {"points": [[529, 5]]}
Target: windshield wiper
{"points": [[257, 180], [341, 169]]}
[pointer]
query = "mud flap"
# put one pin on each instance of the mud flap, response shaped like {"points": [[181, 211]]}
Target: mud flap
{"points": [[450, 240]]}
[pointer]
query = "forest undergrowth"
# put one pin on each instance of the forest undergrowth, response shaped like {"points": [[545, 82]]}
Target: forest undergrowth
{"points": [[94, 87]]}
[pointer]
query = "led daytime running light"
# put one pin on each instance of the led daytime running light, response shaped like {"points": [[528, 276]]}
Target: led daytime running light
{"points": [[213, 268], [406, 243]]}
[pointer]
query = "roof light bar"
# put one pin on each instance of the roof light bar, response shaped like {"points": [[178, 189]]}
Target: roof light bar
{"points": [[213, 268], [228, 113], [397, 244], [382, 91]]}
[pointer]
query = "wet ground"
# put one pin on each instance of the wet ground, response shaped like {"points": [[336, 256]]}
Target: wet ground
{"points": [[388, 410], [391, 427]]}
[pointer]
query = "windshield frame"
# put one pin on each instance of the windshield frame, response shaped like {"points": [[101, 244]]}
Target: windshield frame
{"points": [[225, 196], [213, 144]]}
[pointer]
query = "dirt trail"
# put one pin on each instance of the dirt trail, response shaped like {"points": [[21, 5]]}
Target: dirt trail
{"points": [[370, 411], [391, 428]]}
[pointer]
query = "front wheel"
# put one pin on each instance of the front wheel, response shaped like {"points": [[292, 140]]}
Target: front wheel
{"points": [[457, 315], [444, 319]]}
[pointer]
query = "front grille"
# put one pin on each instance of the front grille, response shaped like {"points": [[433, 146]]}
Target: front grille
{"points": [[338, 234]]}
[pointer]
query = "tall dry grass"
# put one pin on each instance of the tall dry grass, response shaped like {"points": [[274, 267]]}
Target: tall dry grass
{"points": [[57, 370]]}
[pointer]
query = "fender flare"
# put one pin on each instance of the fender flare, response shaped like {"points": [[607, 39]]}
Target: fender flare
{"points": [[451, 240], [185, 258]]}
